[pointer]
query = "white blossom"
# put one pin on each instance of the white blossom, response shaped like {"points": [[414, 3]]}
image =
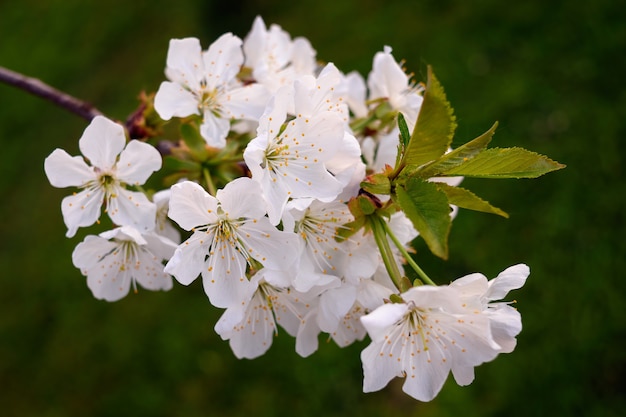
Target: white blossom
{"points": [[205, 83], [112, 168], [434, 331], [123, 257], [274, 58], [251, 325], [230, 231]]}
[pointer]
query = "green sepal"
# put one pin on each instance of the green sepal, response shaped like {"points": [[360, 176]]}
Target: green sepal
{"points": [[377, 184], [434, 128], [355, 205], [506, 163], [468, 200], [405, 135], [396, 299], [459, 155], [428, 209], [194, 141]]}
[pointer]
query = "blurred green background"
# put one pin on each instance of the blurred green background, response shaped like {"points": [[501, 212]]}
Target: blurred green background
{"points": [[550, 72]]}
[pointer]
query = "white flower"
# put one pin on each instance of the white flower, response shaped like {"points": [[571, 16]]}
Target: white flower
{"points": [[274, 58], [106, 179], [230, 231], [123, 256], [291, 162], [388, 80], [205, 83], [433, 332], [251, 325]]}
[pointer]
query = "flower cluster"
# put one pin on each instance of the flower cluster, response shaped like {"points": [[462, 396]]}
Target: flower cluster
{"points": [[298, 190]]}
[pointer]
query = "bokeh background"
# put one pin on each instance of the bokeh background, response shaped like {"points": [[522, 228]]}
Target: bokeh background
{"points": [[550, 72]]}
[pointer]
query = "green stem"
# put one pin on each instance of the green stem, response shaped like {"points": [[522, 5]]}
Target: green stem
{"points": [[209, 182], [380, 236], [407, 256]]}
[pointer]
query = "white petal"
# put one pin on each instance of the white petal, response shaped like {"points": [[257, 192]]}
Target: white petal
{"points": [[192, 206], [429, 378], [82, 209], [172, 100], [90, 251], [224, 280], [307, 336], [101, 142], [130, 208], [214, 129], [241, 198], [149, 271], [160, 246], [273, 248], [137, 162], [245, 103], [188, 260], [254, 42], [223, 60], [110, 279], [334, 305], [127, 233], [506, 323], [64, 170], [378, 321], [463, 375], [377, 371], [511, 278], [387, 78], [184, 62]]}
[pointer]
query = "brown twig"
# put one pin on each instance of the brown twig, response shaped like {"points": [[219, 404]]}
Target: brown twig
{"points": [[43, 90]]}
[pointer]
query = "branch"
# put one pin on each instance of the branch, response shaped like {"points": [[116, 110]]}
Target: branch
{"points": [[43, 90]]}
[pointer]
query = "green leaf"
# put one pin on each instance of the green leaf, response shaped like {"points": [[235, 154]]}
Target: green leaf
{"points": [[194, 141], [506, 163], [435, 126], [428, 209], [468, 200], [459, 155]]}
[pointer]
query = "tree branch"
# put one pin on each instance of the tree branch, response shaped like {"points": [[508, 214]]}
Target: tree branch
{"points": [[43, 90]]}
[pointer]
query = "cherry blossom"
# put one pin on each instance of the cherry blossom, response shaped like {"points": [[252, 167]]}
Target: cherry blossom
{"points": [[120, 258], [230, 232], [204, 83], [112, 168]]}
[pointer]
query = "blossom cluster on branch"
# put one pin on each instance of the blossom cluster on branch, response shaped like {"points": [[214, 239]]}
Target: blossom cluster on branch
{"points": [[294, 191]]}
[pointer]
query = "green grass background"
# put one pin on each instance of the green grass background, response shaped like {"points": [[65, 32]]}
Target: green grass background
{"points": [[552, 73]]}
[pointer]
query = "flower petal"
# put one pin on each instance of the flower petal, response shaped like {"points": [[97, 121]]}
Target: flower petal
{"points": [[188, 260], [82, 209], [137, 162], [512, 278], [172, 100], [101, 142], [64, 170], [184, 63], [241, 198], [90, 251], [192, 206], [214, 129], [223, 60], [131, 208], [225, 281]]}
